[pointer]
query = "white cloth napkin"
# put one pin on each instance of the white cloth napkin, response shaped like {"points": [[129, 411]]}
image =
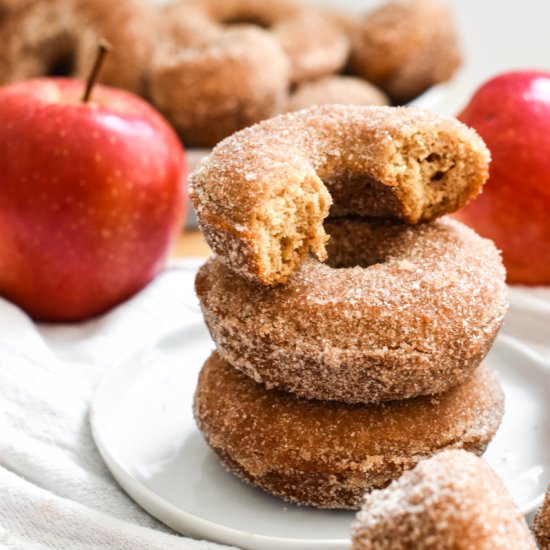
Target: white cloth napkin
{"points": [[55, 491]]}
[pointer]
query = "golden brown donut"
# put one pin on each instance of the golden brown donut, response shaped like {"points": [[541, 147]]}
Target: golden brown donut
{"points": [[328, 454], [415, 316], [313, 43], [541, 525], [346, 90], [405, 47], [451, 501], [262, 195], [226, 82], [60, 37]]}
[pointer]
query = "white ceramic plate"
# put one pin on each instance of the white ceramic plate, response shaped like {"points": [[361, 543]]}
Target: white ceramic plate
{"points": [[143, 426]]}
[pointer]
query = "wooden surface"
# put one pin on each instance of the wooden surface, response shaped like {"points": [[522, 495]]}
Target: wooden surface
{"points": [[190, 243]]}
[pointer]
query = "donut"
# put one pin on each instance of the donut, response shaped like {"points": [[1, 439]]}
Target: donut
{"points": [[541, 525], [347, 90], [328, 454], [453, 500], [60, 37], [262, 194], [405, 47], [398, 311], [220, 85], [313, 43]]}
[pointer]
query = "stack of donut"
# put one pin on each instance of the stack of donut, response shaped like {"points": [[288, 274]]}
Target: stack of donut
{"points": [[213, 67], [343, 361]]}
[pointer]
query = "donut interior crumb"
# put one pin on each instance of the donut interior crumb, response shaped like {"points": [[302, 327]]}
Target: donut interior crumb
{"points": [[424, 174], [290, 223], [423, 169]]}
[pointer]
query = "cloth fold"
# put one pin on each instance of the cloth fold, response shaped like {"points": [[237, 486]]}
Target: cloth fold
{"points": [[55, 490]]}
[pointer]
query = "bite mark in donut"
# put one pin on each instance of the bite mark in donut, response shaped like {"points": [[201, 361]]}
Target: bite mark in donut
{"points": [[377, 162]]}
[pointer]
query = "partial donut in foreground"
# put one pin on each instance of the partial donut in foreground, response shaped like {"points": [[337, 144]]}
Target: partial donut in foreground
{"points": [[453, 500], [405, 47], [345, 90], [398, 311], [328, 454], [261, 196], [60, 37], [541, 525]]}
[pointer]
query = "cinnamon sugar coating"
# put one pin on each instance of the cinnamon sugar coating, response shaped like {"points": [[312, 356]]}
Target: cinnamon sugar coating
{"points": [[261, 196], [405, 47], [312, 42], [220, 85], [328, 454], [417, 313], [344, 90], [453, 500], [541, 525], [60, 37]]}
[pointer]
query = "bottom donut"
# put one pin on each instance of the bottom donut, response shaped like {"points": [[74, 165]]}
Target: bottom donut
{"points": [[329, 454]]}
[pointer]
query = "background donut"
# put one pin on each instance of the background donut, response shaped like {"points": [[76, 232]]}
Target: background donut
{"points": [[220, 85], [329, 454], [60, 37], [405, 46], [415, 316], [347, 90]]}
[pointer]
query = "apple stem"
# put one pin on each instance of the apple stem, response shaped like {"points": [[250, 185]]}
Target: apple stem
{"points": [[103, 48]]}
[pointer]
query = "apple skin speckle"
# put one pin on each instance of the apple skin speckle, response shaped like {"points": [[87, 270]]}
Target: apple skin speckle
{"points": [[84, 224]]}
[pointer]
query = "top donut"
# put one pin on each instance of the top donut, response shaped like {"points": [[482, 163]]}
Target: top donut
{"points": [[262, 195]]}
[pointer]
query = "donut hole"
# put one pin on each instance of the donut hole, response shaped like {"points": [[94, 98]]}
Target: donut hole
{"points": [[357, 242], [246, 19], [60, 57], [62, 66]]}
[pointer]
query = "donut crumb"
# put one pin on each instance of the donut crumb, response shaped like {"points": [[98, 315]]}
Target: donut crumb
{"points": [[290, 223]]}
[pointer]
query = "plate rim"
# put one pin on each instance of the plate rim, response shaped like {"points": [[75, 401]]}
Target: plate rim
{"points": [[197, 526]]}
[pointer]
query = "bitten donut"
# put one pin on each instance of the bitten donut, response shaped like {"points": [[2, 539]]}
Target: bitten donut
{"points": [[405, 47], [541, 525], [329, 454], [453, 500], [313, 43], [398, 311], [261, 196], [60, 37], [346, 90]]}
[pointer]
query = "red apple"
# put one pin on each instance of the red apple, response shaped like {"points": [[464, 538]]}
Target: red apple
{"points": [[91, 195], [512, 114]]}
